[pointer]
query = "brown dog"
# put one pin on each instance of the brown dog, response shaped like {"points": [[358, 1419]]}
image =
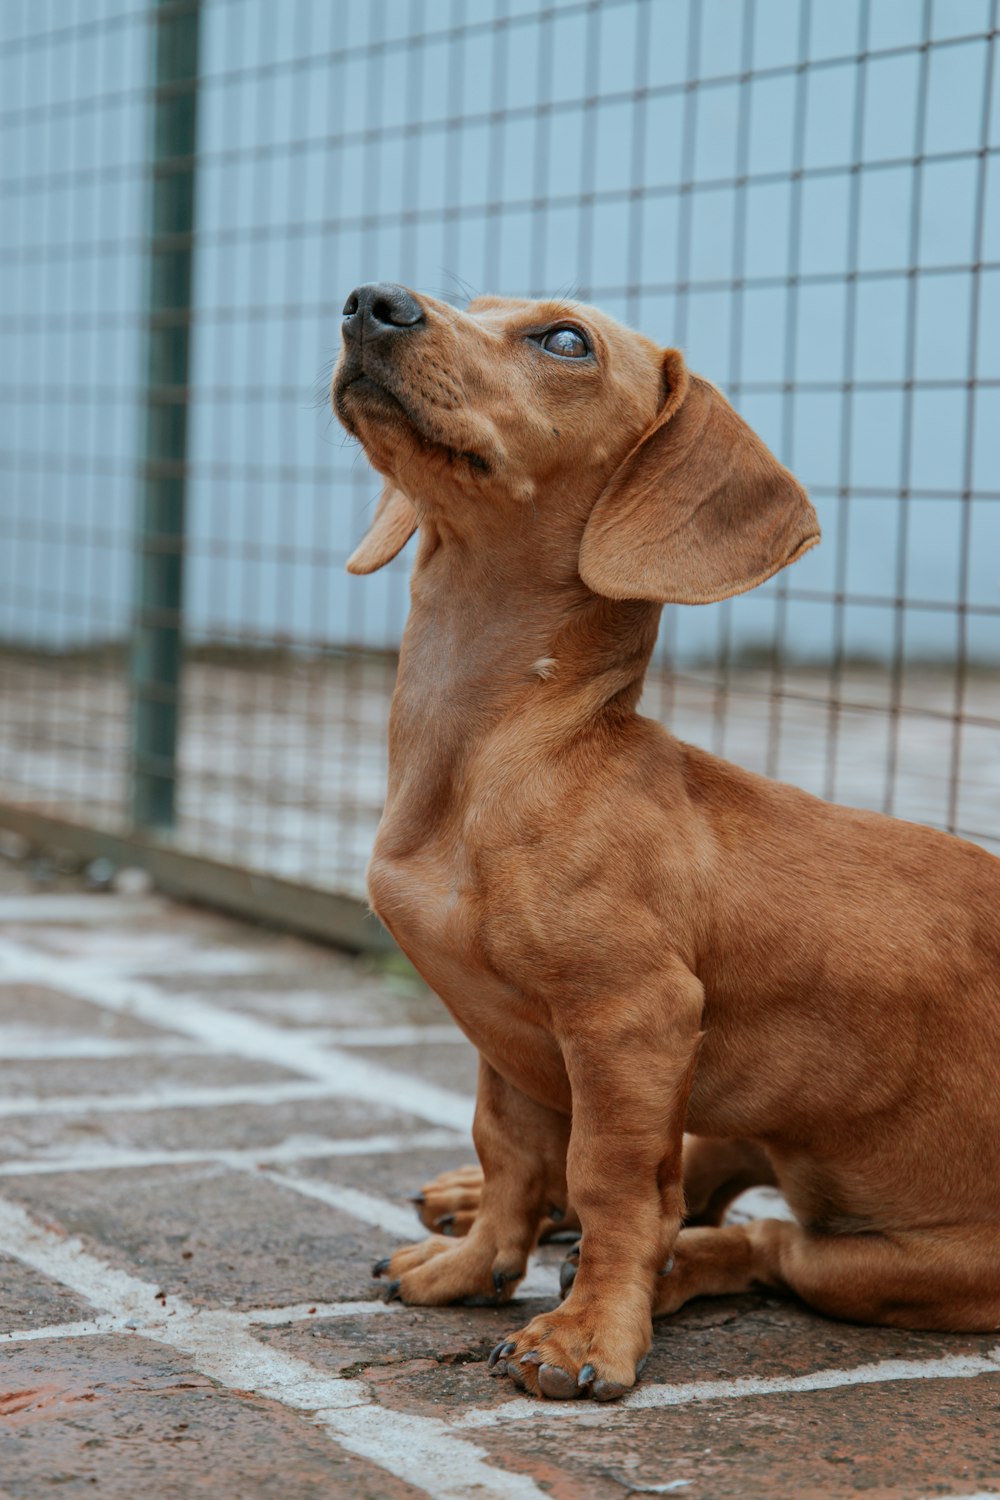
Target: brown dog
{"points": [[640, 938]]}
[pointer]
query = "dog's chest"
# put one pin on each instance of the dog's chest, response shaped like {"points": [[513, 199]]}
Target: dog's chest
{"points": [[420, 900]]}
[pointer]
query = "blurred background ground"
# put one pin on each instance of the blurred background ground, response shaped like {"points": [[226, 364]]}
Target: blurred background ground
{"points": [[282, 766]]}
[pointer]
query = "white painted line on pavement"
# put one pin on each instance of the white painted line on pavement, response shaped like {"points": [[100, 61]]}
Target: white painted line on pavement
{"points": [[23, 1044], [366, 1207], [421, 1450], [88, 1158], [245, 1036], [209, 963], [134, 952], [191, 1097], [301, 1010], [105, 1323], [310, 1312], [657, 1397], [359, 1205], [263, 1317], [538, 1282], [948, 1367], [387, 1036], [235, 1033]]}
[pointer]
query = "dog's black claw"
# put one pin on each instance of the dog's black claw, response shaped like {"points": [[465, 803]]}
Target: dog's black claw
{"points": [[668, 1266], [417, 1198], [381, 1266], [567, 1274], [502, 1349], [556, 1214], [531, 1358], [392, 1292], [500, 1280], [585, 1376], [445, 1223]]}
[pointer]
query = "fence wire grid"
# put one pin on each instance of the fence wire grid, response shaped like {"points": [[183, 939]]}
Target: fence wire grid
{"points": [[804, 197]]}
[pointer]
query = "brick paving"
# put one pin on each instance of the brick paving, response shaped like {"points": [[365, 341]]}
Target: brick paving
{"points": [[207, 1133]]}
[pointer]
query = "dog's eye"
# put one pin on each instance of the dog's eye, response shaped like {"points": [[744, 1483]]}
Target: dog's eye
{"points": [[569, 342]]}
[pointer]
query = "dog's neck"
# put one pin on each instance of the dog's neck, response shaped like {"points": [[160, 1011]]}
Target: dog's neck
{"points": [[494, 652]]}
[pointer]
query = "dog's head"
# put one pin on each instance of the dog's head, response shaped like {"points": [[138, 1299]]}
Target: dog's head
{"points": [[611, 442]]}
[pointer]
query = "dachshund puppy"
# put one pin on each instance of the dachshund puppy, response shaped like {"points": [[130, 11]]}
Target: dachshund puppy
{"points": [[642, 940]]}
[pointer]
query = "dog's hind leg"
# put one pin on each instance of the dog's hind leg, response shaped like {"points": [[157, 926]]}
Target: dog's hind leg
{"points": [[715, 1172], [944, 1279], [448, 1204]]}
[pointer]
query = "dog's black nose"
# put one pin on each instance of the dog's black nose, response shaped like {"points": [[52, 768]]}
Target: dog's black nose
{"points": [[379, 308]]}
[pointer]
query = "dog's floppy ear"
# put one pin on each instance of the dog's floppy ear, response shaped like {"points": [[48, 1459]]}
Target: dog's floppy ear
{"points": [[699, 510], [394, 523]]}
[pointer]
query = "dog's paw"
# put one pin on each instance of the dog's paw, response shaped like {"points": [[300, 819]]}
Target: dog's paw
{"points": [[439, 1271], [448, 1204], [565, 1355]]}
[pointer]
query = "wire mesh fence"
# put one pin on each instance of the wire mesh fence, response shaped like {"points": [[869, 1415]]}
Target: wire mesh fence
{"points": [[804, 197]]}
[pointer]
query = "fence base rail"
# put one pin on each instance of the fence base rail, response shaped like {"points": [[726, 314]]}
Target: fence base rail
{"points": [[342, 921]]}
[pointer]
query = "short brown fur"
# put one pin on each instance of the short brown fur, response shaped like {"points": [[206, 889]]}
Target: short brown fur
{"points": [[639, 938]]}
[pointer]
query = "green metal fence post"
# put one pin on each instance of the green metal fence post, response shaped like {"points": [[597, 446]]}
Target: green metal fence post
{"points": [[157, 629]]}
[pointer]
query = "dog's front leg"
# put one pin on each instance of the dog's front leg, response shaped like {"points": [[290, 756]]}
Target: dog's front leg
{"points": [[630, 1065], [522, 1148]]}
